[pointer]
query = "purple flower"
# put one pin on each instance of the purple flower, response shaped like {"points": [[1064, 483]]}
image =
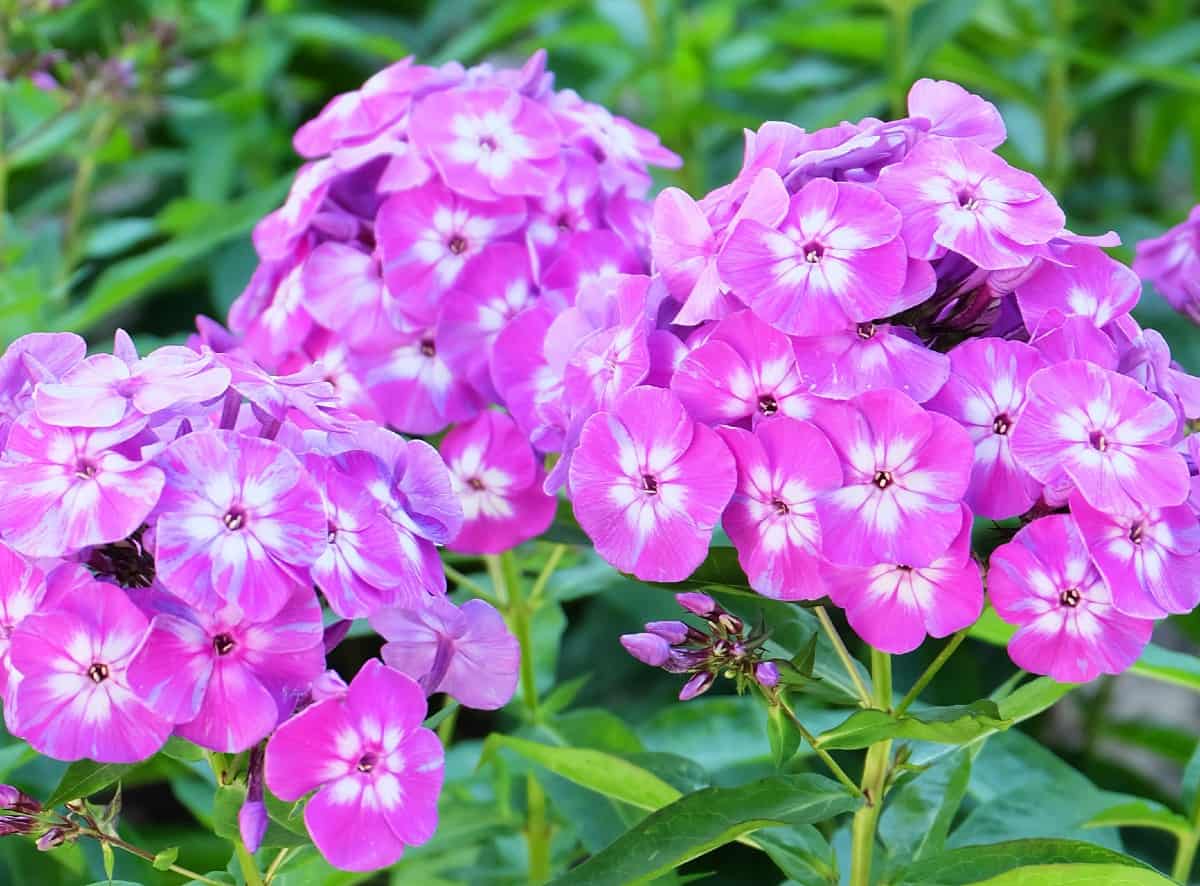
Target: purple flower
{"points": [[906, 471], [867, 357], [68, 488], [895, 606], [342, 287], [744, 370], [648, 648], [239, 521], [767, 674], [1147, 558], [648, 485], [697, 603], [953, 112], [225, 679], [782, 468], [836, 259], [1105, 432], [956, 195], [697, 685], [498, 479], [74, 699], [1171, 262], [1044, 581], [466, 652], [986, 395], [378, 774], [22, 593], [1083, 282]]}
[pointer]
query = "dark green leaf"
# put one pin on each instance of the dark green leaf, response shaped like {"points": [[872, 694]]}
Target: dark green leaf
{"points": [[700, 822], [1141, 814], [85, 778], [975, 864], [1191, 783], [958, 724], [917, 816]]}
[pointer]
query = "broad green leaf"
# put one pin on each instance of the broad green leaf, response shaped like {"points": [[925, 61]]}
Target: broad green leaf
{"points": [[1078, 875], [1030, 699], [721, 733], [1191, 783], [957, 724], [164, 859], [603, 773], [917, 816], [700, 822], [84, 778], [784, 738], [975, 864], [801, 853], [1141, 814], [184, 751]]}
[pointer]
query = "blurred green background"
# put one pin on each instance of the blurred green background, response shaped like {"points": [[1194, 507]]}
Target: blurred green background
{"points": [[140, 141]]}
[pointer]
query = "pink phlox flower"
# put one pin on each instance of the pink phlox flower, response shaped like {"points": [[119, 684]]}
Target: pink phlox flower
{"points": [[867, 357], [280, 398], [1105, 432], [782, 467], [837, 258], [1059, 338], [895, 606], [985, 393], [466, 652], [22, 593], [376, 771], [575, 205], [1145, 357], [648, 485], [953, 112], [498, 478], [1045, 582], [956, 195], [225, 679], [1171, 261], [851, 151], [589, 267], [343, 290], [906, 472], [524, 376], [1093, 286]]}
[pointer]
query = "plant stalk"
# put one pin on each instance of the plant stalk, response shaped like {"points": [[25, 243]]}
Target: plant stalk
{"points": [[248, 865], [851, 666], [838, 772], [931, 671], [874, 781], [148, 856], [901, 24]]}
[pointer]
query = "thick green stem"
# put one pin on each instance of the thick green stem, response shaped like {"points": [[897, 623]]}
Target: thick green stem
{"points": [[81, 191], [874, 781], [851, 666], [931, 671], [248, 865], [901, 24]]}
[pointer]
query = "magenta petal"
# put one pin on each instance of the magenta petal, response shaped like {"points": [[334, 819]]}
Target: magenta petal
{"points": [[301, 746]]}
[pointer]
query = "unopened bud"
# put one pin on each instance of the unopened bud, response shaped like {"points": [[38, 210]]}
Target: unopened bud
{"points": [[15, 798], [698, 685], [650, 649], [329, 685], [674, 632], [697, 603], [51, 839], [767, 674], [252, 823]]}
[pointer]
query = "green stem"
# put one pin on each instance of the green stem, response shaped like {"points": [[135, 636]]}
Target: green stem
{"points": [[1057, 108], [474, 587], [901, 24], [1185, 855], [837, 770], [81, 190], [874, 782], [543, 579], [149, 856], [931, 671], [851, 666], [275, 865], [445, 729], [248, 865]]}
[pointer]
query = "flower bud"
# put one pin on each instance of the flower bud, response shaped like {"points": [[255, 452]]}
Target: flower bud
{"points": [[674, 632], [767, 674], [16, 824], [650, 649], [252, 823], [51, 839], [15, 798], [335, 634], [328, 685], [698, 685], [697, 603]]}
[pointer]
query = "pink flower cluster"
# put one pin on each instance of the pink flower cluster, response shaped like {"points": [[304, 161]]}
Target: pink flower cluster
{"points": [[1171, 262], [875, 334], [175, 528], [438, 206]]}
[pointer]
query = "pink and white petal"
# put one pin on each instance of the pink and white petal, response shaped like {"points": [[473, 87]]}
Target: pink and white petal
{"points": [[346, 822], [313, 747], [236, 713], [171, 668], [414, 819], [406, 706], [715, 384]]}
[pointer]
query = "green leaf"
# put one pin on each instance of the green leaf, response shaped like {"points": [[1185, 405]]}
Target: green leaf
{"points": [[917, 816], [226, 805], [700, 822], [1032, 698], [164, 859], [1191, 783], [957, 724], [109, 857], [84, 778], [1141, 814], [1078, 875], [785, 740], [801, 853], [975, 864], [178, 749], [603, 773]]}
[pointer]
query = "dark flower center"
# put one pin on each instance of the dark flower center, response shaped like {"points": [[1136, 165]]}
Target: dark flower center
{"points": [[813, 252], [98, 672], [866, 331], [487, 143], [1070, 597], [904, 567], [967, 200], [1002, 424], [564, 223], [85, 470], [649, 484], [127, 562], [234, 519], [1135, 532], [475, 483], [1098, 441], [223, 644], [331, 532], [883, 479], [768, 405], [367, 762], [428, 349], [780, 506], [457, 245]]}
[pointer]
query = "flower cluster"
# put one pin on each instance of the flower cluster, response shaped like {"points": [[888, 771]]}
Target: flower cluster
{"points": [[875, 334], [1172, 263], [176, 526], [438, 206]]}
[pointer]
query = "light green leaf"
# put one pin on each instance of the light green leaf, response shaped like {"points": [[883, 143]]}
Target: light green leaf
{"points": [[84, 778], [957, 724], [164, 859], [917, 816], [1141, 814], [1191, 783], [226, 805], [700, 822], [1078, 875], [603, 773], [975, 864], [784, 738]]}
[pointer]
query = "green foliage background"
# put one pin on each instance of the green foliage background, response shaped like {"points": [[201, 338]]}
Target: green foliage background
{"points": [[131, 204]]}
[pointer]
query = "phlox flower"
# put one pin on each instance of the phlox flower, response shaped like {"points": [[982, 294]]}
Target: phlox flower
{"points": [[1044, 581], [867, 357], [69, 488], [1086, 283], [953, 112], [744, 370], [1171, 261], [836, 258], [22, 592], [376, 771], [1147, 558], [985, 393], [1108, 435], [343, 290], [466, 652], [956, 195], [894, 606], [225, 679], [498, 479], [239, 521], [590, 267], [74, 699], [906, 471], [782, 467], [648, 485]]}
